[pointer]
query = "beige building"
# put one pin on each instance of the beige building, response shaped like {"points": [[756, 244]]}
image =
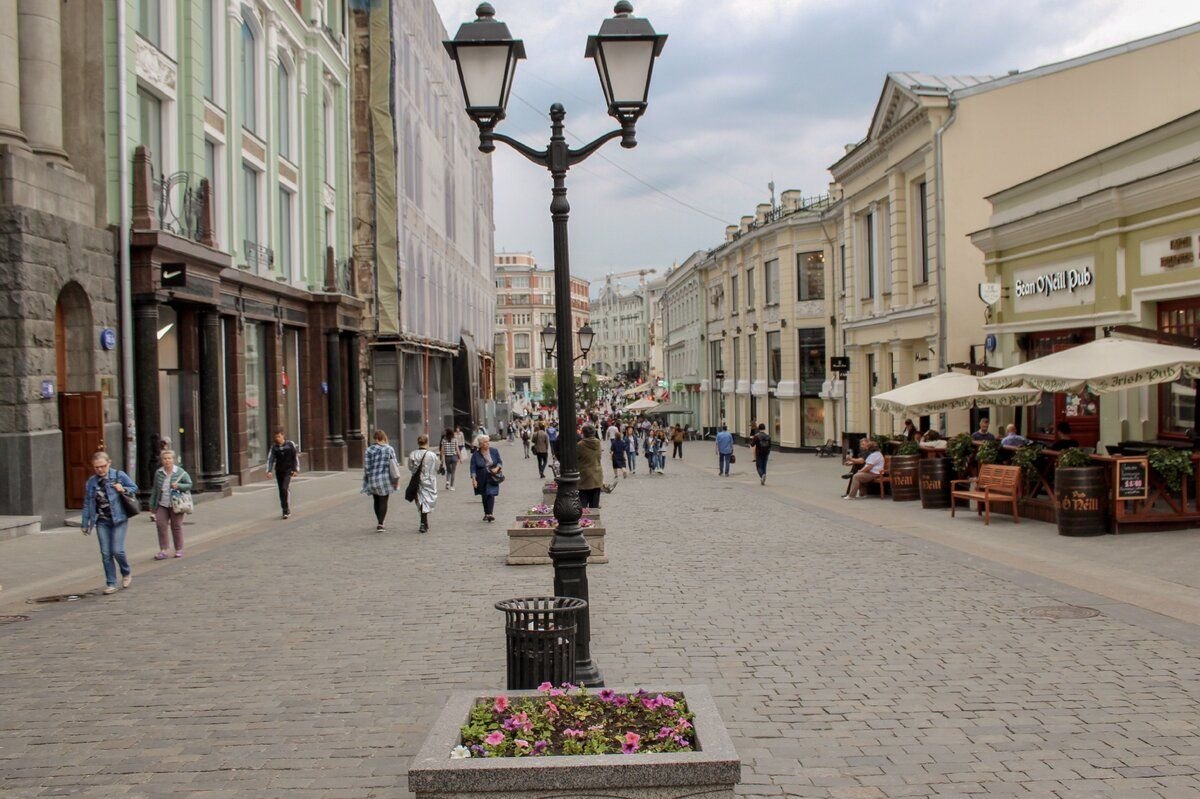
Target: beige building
{"points": [[524, 306], [914, 189], [768, 334], [621, 320]]}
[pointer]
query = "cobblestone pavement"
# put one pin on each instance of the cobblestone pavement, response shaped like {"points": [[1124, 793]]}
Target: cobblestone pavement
{"points": [[849, 662]]}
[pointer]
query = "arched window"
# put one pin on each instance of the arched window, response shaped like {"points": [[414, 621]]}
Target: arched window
{"points": [[283, 109], [249, 79], [327, 111]]}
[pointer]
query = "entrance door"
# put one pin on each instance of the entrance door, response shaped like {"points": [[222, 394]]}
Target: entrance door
{"points": [[81, 419]]}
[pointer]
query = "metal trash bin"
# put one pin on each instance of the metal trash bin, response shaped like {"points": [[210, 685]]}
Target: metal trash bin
{"points": [[540, 635]]}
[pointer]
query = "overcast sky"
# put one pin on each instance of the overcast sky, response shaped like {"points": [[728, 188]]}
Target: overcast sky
{"points": [[746, 92]]}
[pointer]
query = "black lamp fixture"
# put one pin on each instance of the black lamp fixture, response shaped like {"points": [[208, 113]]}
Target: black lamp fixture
{"points": [[550, 340], [486, 56]]}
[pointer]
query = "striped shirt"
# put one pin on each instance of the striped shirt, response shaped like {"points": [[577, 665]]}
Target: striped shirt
{"points": [[449, 450]]}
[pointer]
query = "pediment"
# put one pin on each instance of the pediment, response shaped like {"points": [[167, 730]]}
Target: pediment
{"points": [[895, 103]]}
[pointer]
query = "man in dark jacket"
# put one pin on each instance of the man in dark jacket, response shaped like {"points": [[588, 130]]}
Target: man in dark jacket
{"points": [[762, 448], [541, 448], [283, 461]]}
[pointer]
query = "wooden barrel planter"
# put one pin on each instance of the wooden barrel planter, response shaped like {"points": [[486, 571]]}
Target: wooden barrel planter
{"points": [[934, 476], [903, 471], [1081, 496]]}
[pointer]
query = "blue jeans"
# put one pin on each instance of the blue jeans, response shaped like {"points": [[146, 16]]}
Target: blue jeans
{"points": [[632, 457], [112, 547], [760, 463], [723, 462]]}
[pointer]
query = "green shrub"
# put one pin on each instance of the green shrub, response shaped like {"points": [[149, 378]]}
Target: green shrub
{"points": [[1074, 458], [1027, 458], [909, 448], [1172, 465], [988, 452], [960, 449]]}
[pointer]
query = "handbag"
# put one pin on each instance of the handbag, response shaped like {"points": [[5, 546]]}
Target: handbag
{"points": [[410, 493], [732, 458], [181, 501], [133, 505], [393, 470], [497, 476]]}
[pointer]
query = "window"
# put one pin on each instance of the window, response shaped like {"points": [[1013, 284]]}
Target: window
{"points": [[250, 208], [521, 341], [733, 294], [771, 270], [210, 22], [752, 341], [150, 128], [810, 275], [811, 341], [249, 79], [520, 281], [750, 288], [520, 360], [869, 263], [330, 158], [1177, 401], [149, 21], [774, 358], [256, 395], [285, 233], [842, 262], [211, 164], [283, 113], [449, 198], [923, 228]]}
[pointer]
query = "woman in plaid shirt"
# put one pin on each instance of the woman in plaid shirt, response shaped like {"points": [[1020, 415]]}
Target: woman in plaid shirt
{"points": [[379, 464]]}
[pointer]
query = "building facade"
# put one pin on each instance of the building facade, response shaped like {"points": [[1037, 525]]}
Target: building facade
{"points": [[621, 321], [525, 299], [768, 332], [683, 324], [1110, 239], [423, 221], [914, 190]]}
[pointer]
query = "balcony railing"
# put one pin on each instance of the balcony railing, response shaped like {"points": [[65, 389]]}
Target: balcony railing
{"points": [[258, 257], [179, 203]]}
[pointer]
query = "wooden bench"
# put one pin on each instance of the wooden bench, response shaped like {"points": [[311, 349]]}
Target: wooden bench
{"points": [[885, 477], [994, 484]]}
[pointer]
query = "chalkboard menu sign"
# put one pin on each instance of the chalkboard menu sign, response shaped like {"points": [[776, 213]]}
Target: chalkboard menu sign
{"points": [[1132, 478]]}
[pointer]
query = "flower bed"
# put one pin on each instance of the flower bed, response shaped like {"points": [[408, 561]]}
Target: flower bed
{"points": [[551, 523], [629, 754], [529, 540], [570, 721]]}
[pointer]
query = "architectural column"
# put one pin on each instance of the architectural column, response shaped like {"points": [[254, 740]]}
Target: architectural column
{"points": [[212, 404], [333, 399], [146, 404], [39, 28], [898, 240], [10, 75], [354, 435]]}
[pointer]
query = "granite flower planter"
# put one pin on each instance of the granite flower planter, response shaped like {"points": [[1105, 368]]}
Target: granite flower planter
{"points": [[710, 772], [530, 546], [588, 513]]}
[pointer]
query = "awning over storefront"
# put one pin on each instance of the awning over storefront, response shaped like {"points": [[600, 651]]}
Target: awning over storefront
{"points": [[947, 392], [668, 409], [633, 392], [643, 404], [1101, 367]]}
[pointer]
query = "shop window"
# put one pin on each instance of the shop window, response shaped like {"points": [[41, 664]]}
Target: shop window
{"points": [[256, 395], [1080, 411], [1177, 401], [774, 358], [811, 342]]}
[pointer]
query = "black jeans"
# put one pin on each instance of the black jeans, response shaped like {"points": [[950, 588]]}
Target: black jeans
{"points": [[541, 460], [589, 497], [677, 452], [284, 481], [380, 501], [489, 504]]}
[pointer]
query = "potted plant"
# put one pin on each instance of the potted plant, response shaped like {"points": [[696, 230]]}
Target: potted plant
{"points": [[904, 470], [566, 741], [529, 539], [1080, 495], [987, 452], [960, 451], [1027, 458], [1172, 465]]}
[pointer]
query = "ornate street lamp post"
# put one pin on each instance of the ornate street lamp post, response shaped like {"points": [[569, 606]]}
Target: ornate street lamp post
{"points": [[623, 51]]}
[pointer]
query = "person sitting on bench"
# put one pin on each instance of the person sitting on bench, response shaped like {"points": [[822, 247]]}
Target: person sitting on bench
{"points": [[872, 468]]}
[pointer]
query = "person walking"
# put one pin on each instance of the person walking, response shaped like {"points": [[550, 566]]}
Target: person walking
{"points": [[449, 455], [381, 475], [619, 449], [460, 443], [724, 451], [631, 446], [591, 472], [168, 480], [424, 464], [552, 432], [762, 448], [526, 436], [104, 511], [677, 441], [283, 460], [541, 448], [486, 466]]}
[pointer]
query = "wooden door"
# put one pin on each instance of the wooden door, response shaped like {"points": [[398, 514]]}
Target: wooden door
{"points": [[81, 419]]}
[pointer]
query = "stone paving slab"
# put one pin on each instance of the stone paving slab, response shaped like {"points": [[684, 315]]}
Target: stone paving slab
{"points": [[309, 658]]}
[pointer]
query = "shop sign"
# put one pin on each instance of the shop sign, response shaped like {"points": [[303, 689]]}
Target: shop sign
{"points": [[1170, 253], [1057, 286]]}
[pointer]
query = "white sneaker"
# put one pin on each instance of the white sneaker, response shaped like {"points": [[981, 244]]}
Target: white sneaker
{"points": [[110, 589], [450, 487]]}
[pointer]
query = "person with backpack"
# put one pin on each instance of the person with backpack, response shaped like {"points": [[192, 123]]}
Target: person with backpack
{"points": [[104, 511], [283, 460], [381, 475], [422, 487], [525, 438], [762, 448]]}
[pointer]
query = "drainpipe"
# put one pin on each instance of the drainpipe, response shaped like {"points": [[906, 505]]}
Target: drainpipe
{"points": [[941, 237], [124, 282]]}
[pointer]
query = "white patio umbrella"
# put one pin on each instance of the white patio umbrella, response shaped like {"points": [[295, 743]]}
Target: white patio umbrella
{"points": [[1101, 367], [644, 404], [947, 392]]}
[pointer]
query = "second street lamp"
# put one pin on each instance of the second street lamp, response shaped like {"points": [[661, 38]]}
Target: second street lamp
{"points": [[624, 51]]}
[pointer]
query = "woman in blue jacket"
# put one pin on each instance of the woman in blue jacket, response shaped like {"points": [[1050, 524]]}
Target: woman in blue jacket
{"points": [[104, 512], [486, 464]]}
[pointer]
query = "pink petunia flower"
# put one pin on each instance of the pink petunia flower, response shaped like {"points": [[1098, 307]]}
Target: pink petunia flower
{"points": [[633, 738], [664, 732], [495, 739], [540, 746], [557, 692], [573, 733], [551, 709], [501, 704], [629, 749], [546, 686], [621, 700], [521, 743], [664, 701], [607, 695]]}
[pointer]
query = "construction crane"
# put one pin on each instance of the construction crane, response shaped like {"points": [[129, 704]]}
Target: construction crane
{"points": [[640, 274]]}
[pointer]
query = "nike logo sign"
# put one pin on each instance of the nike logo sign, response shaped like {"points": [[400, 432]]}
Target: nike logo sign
{"points": [[172, 275]]}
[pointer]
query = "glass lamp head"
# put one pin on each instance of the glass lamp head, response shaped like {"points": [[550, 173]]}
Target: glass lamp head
{"points": [[624, 51], [486, 56]]}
